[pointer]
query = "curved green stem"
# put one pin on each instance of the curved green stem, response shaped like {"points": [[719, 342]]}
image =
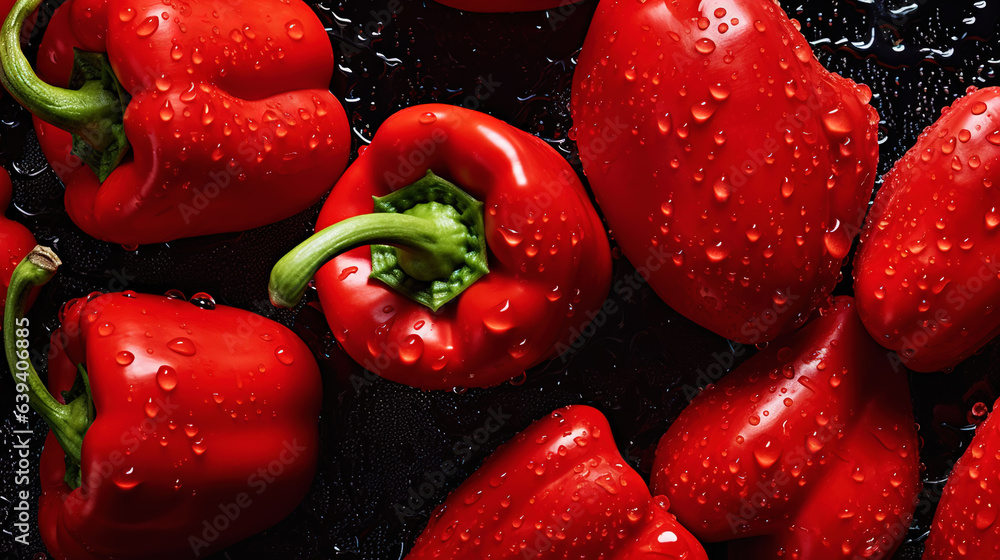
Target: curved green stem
{"points": [[70, 421], [88, 112], [290, 276], [437, 231]]}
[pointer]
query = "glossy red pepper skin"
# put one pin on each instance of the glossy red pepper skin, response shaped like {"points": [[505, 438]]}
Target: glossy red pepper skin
{"points": [[808, 450], [15, 239], [730, 165], [559, 489], [232, 133], [965, 524], [496, 6], [233, 425], [927, 274], [550, 265]]}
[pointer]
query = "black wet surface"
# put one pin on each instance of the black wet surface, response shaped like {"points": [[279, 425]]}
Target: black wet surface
{"points": [[640, 367]]}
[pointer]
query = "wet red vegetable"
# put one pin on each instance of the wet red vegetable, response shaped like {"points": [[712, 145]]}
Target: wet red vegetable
{"points": [[808, 450], [965, 524], [733, 169], [15, 240], [177, 429], [560, 489], [480, 279], [927, 273], [191, 118]]}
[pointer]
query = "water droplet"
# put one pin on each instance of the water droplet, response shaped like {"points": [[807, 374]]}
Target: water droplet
{"points": [[519, 349], [148, 26], [198, 446], [705, 46], [766, 452], [378, 342], [347, 272], [978, 108], [787, 187], [717, 252], [992, 218], [203, 300], [295, 29], [183, 346], [512, 237], [167, 111], [858, 475], [126, 14], [702, 111], [664, 123], [500, 318], [986, 517], [721, 189], [105, 329], [411, 349], [720, 92], [151, 408], [125, 480], [607, 483], [163, 82], [448, 531], [284, 355], [838, 122], [666, 537], [837, 241], [124, 358], [166, 378], [427, 118], [779, 298]]}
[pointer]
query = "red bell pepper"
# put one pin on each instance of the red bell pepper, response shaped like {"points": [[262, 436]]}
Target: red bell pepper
{"points": [[560, 489], [965, 524], [15, 239], [494, 6], [927, 274], [460, 299], [193, 118], [808, 450], [728, 162], [188, 428]]}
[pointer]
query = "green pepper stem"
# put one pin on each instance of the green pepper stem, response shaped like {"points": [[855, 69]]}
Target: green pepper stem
{"points": [[437, 231], [70, 421], [89, 111], [293, 272]]}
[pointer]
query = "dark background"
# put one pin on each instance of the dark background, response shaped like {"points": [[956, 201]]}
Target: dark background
{"points": [[382, 438]]}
